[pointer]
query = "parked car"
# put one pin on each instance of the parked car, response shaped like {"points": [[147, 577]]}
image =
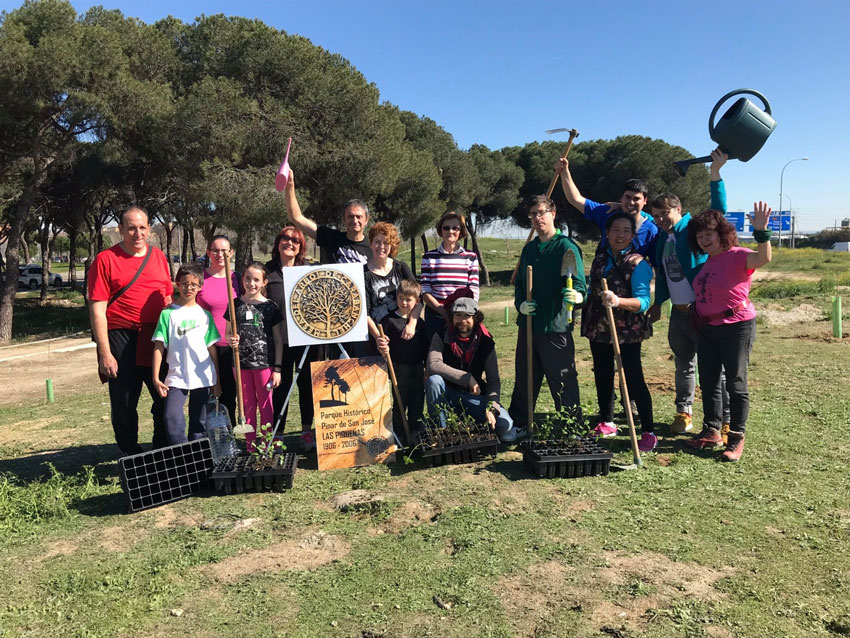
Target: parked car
{"points": [[29, 276]]}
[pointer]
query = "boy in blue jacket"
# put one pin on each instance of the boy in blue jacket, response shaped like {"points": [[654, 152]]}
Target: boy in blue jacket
{"points": [[676, 266]]}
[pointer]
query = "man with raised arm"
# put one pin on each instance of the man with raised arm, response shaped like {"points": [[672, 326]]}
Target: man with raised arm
{"points": [[676, 266], [350, 246], [632, 201], [129, 285]]}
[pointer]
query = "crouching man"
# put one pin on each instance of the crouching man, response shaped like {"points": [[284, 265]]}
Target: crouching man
{"points": [[463, 373]]}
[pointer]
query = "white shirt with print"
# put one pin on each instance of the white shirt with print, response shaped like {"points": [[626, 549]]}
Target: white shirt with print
{"points": [[187, 332]]}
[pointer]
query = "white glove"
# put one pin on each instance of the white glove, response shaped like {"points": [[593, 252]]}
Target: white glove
{"points": [[609, 299], [528, 307], [572, 296]]}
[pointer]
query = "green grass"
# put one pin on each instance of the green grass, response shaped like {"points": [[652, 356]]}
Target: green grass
{"points": [[684, 547], [63, 313]]}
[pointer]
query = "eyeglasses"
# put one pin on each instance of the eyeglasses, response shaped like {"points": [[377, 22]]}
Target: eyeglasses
{"points": [[291, 240], [187, 285], [452, 228], [539, 213]]}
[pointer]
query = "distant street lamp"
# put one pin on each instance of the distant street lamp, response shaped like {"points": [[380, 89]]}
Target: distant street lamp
{"points": [[781, 179]]}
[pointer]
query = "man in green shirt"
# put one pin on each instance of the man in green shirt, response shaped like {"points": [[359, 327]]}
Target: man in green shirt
{"points": [[553, 350]]}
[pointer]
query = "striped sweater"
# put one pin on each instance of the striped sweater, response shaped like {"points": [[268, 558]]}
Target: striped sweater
{"points": [[443, 273]]}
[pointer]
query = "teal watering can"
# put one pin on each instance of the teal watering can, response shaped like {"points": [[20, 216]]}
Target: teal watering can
{"points": [[740, 133]]}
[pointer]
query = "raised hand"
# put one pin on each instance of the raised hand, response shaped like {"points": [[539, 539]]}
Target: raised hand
{"points": [[761, 215]]}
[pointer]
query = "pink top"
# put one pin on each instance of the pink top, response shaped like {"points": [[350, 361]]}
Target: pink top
{"points": [[724, 283], [213, 297]]}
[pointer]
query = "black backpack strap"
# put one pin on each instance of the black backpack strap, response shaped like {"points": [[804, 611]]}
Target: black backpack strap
{"points": [[145, 261]]}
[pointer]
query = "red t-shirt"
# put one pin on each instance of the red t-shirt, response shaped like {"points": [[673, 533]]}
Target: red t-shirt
{"points": [[144, 300]]}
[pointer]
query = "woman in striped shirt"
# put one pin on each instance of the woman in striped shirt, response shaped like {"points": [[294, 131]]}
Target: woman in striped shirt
{"points": [[446, 269]]}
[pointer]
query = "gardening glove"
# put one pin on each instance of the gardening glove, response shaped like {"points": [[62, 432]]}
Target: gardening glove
{"points": [[609, 299], [528, 308], [571, 296]]}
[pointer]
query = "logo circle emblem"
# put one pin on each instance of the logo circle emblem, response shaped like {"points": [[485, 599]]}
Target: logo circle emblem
{"points": [[325, 303]]}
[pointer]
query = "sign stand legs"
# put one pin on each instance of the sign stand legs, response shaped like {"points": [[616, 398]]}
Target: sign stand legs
{"points": [[291, 388]]}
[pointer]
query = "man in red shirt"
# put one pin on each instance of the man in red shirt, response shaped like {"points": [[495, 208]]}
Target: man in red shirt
{"points": [[123, 317]]}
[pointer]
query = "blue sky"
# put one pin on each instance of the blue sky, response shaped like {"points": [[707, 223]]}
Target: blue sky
{"points": [[500, 73]]}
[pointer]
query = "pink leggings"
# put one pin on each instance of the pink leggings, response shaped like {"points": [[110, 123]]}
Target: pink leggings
{"points": [[254, 395]]}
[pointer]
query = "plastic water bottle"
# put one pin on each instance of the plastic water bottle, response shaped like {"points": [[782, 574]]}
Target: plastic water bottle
{"points": [[222, 443]]}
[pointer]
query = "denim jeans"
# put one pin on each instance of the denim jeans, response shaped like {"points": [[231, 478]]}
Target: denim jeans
{"points": [[683, 337], [441, 396], [726, 347]]}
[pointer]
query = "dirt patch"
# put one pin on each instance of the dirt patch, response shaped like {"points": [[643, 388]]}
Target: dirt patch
{"points": [[118, 538], [774, 316], [25, 368], [649, 582], [688, 578], [410, 514], [37, 433], [168, 516], [530, 597], [664, 460], [58, 548], [309, 552]]}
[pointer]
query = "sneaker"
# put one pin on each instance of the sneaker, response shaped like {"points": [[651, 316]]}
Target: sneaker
{"points": [[514, 434], [682, 423], [709, 437], [605, 430], [647, 442], [724, 433], [308, 441], [734, 448]]}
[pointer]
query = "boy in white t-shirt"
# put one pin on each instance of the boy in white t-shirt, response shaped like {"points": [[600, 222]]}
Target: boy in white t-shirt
{"points": [[186, 333]]}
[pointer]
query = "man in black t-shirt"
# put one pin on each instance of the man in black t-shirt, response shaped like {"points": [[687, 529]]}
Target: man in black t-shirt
{"points": [[346, 247]]}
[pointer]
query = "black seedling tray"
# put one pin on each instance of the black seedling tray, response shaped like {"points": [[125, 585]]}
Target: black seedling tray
{"points": [[565, 459], [468, 451], [165, 475], [239, 474]]}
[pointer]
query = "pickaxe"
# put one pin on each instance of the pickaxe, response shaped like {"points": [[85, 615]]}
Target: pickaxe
{"points": [[573, 135]]}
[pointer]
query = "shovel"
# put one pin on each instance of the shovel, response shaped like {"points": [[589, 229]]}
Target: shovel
{"points": [[241, 426], [623, 388], [568, 270]]}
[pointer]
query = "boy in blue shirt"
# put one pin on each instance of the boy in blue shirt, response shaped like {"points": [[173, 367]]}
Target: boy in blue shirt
{"points": [[632, 201]]}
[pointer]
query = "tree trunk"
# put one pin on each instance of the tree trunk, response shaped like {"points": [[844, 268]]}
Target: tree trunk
{"points": [[192, 245], [44, 243], [169, 231], [25, 247], [483, 274], [72, 256], [184, 251], [16, 225], [424, 243], [413, 255]]}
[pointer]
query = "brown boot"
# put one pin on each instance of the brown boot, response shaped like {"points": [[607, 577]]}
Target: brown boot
{"points": [[734, 448], [709, 437]]}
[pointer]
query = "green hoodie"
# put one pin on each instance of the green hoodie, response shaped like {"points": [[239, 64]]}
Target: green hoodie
{"points": [[546, 258]]}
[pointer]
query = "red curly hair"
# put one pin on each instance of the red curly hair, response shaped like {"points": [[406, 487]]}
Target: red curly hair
{"points": [[291, 231], [390, 232], [711, 219]]}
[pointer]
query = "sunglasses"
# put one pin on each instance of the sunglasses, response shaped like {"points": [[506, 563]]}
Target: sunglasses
{"points": [[452, 228], [291, 240]]}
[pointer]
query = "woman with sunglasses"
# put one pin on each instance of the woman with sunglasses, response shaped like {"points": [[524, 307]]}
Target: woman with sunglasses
{"points": [[213, 297], [445, 270], [290, 249]]}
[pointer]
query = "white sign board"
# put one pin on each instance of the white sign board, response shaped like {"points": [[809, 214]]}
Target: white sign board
{"points": [[325, 304]]}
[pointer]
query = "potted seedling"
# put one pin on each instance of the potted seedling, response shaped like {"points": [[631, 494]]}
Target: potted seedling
{"points": [[267, 468], [454, 438], [560, 448]]}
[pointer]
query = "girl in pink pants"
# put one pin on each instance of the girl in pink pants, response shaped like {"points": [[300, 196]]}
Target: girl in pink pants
{"points": [[259, 327]]}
